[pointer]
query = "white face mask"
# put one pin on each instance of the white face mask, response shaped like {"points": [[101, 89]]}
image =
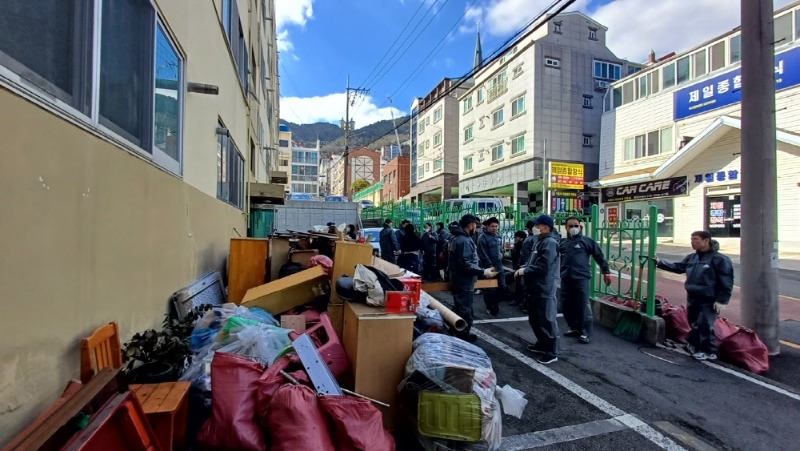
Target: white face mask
{"points": [[539, 231], [575, 231]]}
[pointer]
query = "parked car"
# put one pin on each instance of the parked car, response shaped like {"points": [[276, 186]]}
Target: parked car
{"points": [[300, 196], [367, 203], [336, 199], [372, 236]]}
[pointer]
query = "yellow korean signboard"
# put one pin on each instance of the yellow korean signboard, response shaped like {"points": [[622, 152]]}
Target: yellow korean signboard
{"points": [[566, 175]]}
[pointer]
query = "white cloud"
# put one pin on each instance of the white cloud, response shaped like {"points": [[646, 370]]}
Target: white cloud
{"points": [[331, 108], [291, 12]]}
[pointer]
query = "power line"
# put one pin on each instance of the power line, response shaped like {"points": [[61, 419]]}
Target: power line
{"points": [[495, 54]]}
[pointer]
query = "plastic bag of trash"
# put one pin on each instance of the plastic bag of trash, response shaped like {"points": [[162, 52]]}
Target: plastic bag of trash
{"points": [[366, 280], [513, 400], [443, 371], [260, 342]]}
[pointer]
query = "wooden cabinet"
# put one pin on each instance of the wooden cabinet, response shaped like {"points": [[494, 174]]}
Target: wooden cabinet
{"points": [[247, 266], [378, 346], [347, 255]]}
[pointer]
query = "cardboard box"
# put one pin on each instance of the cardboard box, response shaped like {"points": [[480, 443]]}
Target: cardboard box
{"points": [[401, 301], [303, 257], [414, 285], [287, 293]]}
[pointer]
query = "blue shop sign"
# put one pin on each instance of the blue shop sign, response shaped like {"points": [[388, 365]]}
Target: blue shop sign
{"points": [[726, 89]]}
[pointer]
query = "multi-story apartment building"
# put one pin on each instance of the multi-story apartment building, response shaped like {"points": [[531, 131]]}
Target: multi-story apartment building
{"points": [[435, 141], [671, 138], [304, 177], [539, 101], [396, 179], [285, 151], [130, 132], [364, 164]]}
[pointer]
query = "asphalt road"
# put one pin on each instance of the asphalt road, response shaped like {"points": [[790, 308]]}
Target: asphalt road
{"points": [[616, 395]]}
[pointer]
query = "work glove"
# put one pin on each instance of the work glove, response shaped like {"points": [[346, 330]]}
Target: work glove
{"points": [[607, 279], [489, 273], [520, 272], [719, 307]]}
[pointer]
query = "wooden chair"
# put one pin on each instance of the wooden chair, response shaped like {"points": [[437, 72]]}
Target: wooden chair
{"points": [[165, 405], [100, 350]]}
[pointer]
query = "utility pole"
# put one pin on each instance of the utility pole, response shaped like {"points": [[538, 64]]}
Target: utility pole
{"points": [[347, 126], [396, 136], [545, 180], [759, 240]]}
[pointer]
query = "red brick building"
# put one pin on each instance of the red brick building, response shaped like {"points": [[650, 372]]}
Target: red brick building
{"points": [[396, 179]]}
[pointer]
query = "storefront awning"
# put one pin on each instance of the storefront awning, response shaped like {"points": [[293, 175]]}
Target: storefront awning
{"points": [[711, 134]]}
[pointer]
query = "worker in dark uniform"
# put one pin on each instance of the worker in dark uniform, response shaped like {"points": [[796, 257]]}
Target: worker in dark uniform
{"points": [[464, 269], [490, 254], [525, 255], [441, 247], [516, 255], [709, 284], [540, 275], [576, 272], [430, 242], [390, 245]]}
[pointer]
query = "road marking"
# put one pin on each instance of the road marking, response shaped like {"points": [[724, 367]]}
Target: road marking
{"points": [[685, 437], [507, 320], [789, 343], [626, 419], [560, 435]]}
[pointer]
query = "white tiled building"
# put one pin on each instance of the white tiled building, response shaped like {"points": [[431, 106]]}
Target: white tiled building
{"points": [[541, 100], [671, 138]]}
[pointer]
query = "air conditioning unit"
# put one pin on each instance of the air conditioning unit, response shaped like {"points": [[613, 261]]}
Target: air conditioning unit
{"points": [[600, 85]]}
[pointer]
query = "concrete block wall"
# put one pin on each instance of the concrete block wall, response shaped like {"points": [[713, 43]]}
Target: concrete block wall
{"points": [[303, 215]]}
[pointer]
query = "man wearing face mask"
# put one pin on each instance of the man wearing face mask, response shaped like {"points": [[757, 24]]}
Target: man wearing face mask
{"points": [[541, 273], [576, 272], [464, 269], [490, 254]]}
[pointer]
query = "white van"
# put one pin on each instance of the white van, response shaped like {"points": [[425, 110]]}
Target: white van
{"points": [[476, 204]]}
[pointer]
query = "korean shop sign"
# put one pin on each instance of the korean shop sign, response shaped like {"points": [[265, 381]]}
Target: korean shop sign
{"points": [[675, 186], [566, 175], [726, 89]]}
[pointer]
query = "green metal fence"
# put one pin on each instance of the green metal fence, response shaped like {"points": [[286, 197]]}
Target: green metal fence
{"points": [[628, 246], [261, 222]]}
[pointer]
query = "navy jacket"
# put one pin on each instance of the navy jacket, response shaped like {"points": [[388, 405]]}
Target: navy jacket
{"points": [[575, 253], [430, 241], [490, 251], [527, 249], [463, 258], [709, 275], [542, 270], [388, 241]]}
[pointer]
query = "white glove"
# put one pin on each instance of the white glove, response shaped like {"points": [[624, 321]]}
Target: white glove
{"points": [[520, 272], [719, 307], [489, 273]]}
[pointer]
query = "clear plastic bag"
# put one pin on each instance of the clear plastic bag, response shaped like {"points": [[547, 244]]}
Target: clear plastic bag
{"points": [[513, 400], [263, 343], [441, 363]]}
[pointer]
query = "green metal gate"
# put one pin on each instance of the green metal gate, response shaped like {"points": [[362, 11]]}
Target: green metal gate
{"points": [[628, 246], [261, 224]]}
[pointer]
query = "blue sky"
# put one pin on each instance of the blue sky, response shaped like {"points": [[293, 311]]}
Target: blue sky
{"points": [[321, 42]]}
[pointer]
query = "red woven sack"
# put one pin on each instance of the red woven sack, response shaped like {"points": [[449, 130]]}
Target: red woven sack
{"points": [[724, 329], [676, 323], [744, 349], [272, 380], [358, 425], [296, 421], [233, 424]]}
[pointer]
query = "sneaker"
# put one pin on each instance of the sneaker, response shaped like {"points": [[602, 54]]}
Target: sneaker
{"points": [[700, 356], [571, 333], [584, 339], [494, 311], [711, 356], [547, 359], [534, 349], [690, 349]]}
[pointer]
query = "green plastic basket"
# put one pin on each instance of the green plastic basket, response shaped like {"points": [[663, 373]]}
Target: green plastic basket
{"points": [[449, 416], [629, 326]]}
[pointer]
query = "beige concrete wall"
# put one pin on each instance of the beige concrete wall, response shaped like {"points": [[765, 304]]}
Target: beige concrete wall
{"points": [[89, 233]]}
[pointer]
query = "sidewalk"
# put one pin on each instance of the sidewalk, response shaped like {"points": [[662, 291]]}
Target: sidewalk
{"points": [[788, 260]]}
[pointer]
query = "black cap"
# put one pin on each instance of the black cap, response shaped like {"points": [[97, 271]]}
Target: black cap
{"points": [[469, 219], [530, 224]]}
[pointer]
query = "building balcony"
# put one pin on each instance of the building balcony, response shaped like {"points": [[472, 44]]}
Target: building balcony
{"points": [[496, 91]]}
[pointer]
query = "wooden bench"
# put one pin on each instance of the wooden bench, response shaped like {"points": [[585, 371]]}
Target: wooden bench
{"points": [[166, 406]]}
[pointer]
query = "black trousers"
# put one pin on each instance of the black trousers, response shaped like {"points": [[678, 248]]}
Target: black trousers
{"points": [[429, 270], [463, 289], [542, 315], [702, 318], [575, 305]]}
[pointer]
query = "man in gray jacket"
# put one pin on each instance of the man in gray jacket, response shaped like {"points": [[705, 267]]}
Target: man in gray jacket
{"points": [[709, 284], [490, 253], [464, 269], [541, 274], [576, 273]]}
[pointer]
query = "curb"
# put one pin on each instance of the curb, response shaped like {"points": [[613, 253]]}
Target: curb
{"points": [[607, 314]]}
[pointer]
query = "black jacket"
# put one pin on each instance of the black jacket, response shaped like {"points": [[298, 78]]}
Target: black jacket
{"points": [[410, 242], [388, 241], [430, 242], [490, 251], [709, 275], [516, 253], [542, 270], [444, 237], [463, 258], [527, 249], [575, 253]]}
